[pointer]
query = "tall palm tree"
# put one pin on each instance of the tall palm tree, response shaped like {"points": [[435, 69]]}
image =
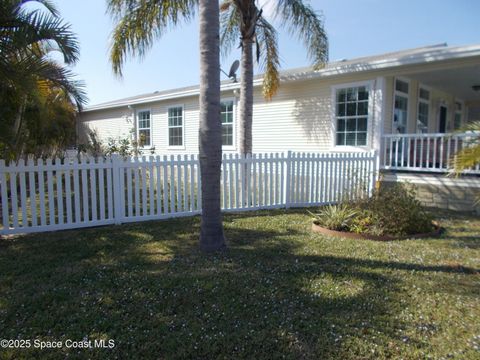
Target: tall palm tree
{"points": [[27, 74], [139, 24], [210, 132], [243, 19]]}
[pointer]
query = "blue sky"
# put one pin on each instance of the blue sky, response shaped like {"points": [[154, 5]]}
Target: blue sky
{"points": [[355, 28]]}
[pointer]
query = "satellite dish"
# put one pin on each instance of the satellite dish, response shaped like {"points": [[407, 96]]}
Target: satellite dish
{"points": [[233, 70]]}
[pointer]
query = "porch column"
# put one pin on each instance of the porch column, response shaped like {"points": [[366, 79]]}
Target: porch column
{"points": [[379, 110]]}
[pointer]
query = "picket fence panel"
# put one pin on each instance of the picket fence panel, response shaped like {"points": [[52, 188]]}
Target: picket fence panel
{"points": [[67, 194]]}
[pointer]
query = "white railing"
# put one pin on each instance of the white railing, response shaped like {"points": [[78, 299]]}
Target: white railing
{"points": [[425, 152], [44, 196]]}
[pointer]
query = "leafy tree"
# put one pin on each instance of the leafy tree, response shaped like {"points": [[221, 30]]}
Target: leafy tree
{"points": [[139, 24], [242, 19]]}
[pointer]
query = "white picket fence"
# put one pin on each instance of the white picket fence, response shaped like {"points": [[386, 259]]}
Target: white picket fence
{"points": [[54, 195]]}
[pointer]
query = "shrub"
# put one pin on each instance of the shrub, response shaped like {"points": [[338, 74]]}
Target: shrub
{"points": [[392, 210], [397, 211]]}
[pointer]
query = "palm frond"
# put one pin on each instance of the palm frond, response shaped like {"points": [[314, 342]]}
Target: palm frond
{"points": [[230, 19], [469, 156], [308, 26], [30, 28], [466, 158], [57, 76], [47, 4], [140, 23], [267, 44]]}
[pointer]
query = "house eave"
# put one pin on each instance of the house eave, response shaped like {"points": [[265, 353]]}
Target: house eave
{"points": [[437, 55]]}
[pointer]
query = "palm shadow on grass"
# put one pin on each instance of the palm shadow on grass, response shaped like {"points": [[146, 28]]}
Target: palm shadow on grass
{"points": [[148, 287]]}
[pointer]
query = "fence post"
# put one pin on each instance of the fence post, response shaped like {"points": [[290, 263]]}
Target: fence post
{"points": [[117, 191], [287, 180], [375, 169], [4, 193]]}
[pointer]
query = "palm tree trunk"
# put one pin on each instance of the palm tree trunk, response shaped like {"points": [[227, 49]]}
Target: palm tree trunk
{"points": [[210, 135], [246, 97]]}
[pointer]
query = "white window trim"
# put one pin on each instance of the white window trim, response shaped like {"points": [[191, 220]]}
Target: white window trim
{"points": [[176, 147], [370, 85], [428, 102], [234, 124], [137, 113], [404, 95]]}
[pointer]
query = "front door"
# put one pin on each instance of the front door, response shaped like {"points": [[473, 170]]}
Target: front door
{"points": [[442, 121]]}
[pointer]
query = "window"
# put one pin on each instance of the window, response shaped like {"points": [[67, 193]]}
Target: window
{"points": [[175, 126], [457, 121], [423, 110], [144, 138], [227, 122], [351, 116], [400, 110]]}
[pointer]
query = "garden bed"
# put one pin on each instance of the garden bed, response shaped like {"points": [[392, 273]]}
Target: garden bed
{"points": [[350, 235]]}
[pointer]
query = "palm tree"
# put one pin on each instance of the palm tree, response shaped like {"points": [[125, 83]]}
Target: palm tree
{"points": [[28, 76], [210, 132], [139, 24], [243, 19]]}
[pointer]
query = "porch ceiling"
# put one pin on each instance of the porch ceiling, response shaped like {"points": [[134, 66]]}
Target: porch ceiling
{"points": [[457, 81]]}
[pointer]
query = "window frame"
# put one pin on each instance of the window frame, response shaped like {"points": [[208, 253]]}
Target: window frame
{"points": [[234, 123], [405, 96], [176, 147], [370, 86], [423, 101], [137, 132]]}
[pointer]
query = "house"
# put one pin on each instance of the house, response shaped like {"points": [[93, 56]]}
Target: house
{"points": [[403, 104]]}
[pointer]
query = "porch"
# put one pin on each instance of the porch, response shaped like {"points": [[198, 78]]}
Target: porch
{"points": [[425, 109], [432, 153]]}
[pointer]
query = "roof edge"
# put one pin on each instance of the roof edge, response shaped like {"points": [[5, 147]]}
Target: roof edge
{"points": [[432, 53]]}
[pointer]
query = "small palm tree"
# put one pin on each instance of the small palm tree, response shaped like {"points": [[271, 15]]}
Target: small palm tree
{"points": [[469, 156], [139, 24], [27, 74], [242, 19]]}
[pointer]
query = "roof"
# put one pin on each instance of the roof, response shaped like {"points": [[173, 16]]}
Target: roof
{"points": [[427, 54]]}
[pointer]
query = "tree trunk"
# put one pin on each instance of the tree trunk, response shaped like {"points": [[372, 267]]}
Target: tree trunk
{"points": [[210, 131], [246, 97]]}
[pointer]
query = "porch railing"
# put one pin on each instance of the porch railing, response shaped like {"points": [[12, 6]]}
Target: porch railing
{"points": [[425, 152]]}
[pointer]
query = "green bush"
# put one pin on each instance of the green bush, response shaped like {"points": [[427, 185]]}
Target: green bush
{"points": [[392, 210], [397, 211]]}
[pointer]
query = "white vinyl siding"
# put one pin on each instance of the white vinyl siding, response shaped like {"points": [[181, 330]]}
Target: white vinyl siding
{"points": [[300, 117], [175, 127], [144, 128]]}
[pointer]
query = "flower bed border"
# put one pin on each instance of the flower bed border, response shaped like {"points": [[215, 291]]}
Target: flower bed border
{"points": [[349, 235]]}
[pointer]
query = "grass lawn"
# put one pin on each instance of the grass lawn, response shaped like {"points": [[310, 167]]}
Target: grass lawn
{"points": [[279, 291]]}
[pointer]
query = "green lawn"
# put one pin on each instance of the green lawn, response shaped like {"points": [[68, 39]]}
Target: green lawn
{"points": [[279, 291]]}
